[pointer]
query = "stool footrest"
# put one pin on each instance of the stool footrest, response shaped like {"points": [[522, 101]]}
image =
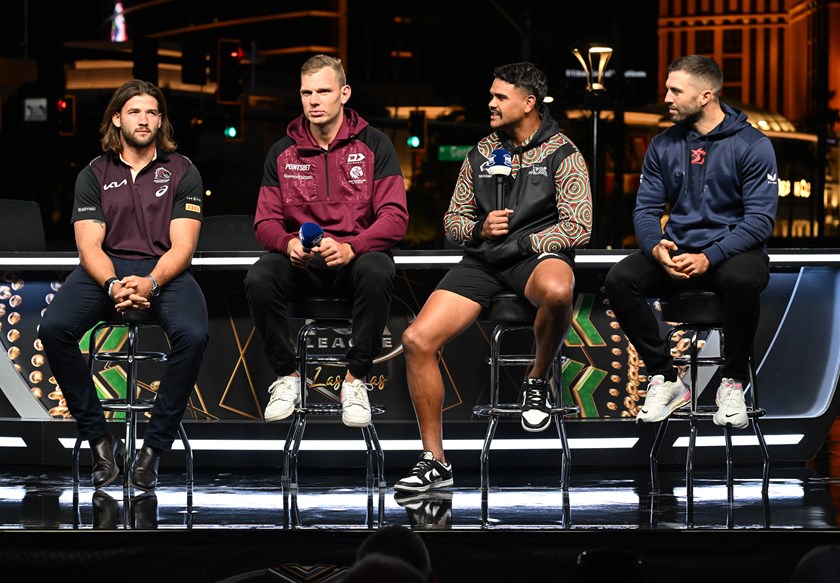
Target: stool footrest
{"points": [[512, 359], [119, 405], [123, 357], [333, 409], [514, 409], [701, 361], [708, 411]]}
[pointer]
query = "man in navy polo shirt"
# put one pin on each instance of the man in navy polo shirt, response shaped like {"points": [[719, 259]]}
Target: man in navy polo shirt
{"points": [[136, 217]]}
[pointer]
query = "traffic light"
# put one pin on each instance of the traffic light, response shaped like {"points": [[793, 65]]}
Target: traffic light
{"points": [[417, 129], [66, 108], [229, 71], [233, 123]]}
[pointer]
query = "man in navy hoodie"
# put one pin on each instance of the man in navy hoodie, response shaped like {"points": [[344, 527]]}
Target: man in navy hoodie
{"points": [[717, 175]]}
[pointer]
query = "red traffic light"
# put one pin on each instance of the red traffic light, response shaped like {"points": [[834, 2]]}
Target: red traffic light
{"points": [[61, 104]]}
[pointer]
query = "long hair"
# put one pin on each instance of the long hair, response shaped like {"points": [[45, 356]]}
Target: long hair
{"points": [[111, 134]]}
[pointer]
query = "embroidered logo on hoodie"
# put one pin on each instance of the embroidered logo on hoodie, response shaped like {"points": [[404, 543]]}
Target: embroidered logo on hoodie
{"points": [[698, 156]]}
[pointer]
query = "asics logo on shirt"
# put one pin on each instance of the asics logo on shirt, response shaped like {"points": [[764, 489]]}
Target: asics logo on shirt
{"points": [[162, 190], [698, 156], [115, 184]]}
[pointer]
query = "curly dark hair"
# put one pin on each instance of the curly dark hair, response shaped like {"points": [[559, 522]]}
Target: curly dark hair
{"points": [[525, 76]]}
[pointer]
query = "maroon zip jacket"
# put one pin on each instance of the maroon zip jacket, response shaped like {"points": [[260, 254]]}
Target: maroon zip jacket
{"points": [[354, 190]]}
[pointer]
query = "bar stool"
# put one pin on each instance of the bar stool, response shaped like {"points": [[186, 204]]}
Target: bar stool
{"points": [[325, 313], [697, 313], [132, 405], [510, 313]]}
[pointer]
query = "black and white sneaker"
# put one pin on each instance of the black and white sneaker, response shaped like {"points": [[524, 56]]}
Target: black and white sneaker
{"points": [[427, 509], [427, 474], [536, 408]]}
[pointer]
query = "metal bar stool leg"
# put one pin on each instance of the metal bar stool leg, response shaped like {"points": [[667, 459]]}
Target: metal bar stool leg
{"points": [[654, 455], [188, 454], [765, 456], [371, 475], [300, 422], [689, 459], [76, 454], [130, 396], [727, 437], [566, 456], [380, 457], [485, 453]]}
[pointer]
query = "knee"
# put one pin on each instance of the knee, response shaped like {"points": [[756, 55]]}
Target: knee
{"points": [[375, 267], [193, 338], [414, 342], [264, 276], [558, 296], [614, 281], [53, 328], [739, 284]]}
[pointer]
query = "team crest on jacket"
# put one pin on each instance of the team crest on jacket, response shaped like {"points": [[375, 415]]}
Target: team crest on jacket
{"points": [[357, 175], [162, 175]]}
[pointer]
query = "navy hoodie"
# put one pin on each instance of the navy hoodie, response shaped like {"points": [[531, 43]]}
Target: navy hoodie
{"points": [[722, 189]]}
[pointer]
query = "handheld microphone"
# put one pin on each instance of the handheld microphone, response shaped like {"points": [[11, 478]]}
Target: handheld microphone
{"points": [[310, 235], [500, 168]]}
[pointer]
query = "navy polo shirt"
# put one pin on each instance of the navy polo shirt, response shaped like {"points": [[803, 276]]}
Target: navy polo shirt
{"points": [[137, 212]]}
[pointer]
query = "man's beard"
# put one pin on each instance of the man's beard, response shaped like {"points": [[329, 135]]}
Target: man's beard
{"points": [[689, 119], [134, 142]]}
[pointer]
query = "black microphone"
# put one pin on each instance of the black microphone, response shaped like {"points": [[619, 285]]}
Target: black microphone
{"points": [[310, 235], [500, 168]]}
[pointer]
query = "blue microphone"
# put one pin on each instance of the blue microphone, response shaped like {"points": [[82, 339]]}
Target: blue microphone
{"points": [[500, 168], [310, 235]]}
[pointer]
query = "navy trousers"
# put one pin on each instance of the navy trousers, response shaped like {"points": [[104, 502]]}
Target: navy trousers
{"points": [[81, 303]]}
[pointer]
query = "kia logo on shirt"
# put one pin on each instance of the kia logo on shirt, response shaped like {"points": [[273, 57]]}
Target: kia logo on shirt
{"points": [[115, 184]]}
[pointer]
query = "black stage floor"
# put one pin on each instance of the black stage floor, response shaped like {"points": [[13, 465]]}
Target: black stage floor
{"points": [[241, 521]]}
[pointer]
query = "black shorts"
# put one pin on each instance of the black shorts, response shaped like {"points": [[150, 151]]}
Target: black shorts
{"points": [[479, 282]]}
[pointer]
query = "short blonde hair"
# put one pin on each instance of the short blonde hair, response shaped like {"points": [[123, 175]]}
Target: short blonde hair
{"points": [[318, 62]]}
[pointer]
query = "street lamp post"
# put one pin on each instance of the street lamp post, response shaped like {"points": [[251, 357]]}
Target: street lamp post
{"points": [[598, 57]]}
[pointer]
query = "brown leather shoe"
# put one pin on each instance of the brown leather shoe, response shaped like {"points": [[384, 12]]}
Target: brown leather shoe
{"points": [[144, 472], [103, 454]]}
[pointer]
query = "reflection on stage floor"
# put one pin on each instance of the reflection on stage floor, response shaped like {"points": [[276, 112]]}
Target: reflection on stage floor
{"points": [[799, 498]]}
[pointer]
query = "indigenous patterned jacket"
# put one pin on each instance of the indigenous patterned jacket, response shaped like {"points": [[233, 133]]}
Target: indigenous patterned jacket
{"points": [[548, 191]]}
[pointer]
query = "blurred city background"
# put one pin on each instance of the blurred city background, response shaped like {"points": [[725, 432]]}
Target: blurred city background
{"points": [[420, 71]]}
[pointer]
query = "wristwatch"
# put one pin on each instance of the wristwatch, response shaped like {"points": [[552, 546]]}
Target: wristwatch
{"points": [[155, 287]]}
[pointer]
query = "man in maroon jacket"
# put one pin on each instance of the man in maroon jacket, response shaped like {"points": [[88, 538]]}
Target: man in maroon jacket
{"points": [[334, 170]]}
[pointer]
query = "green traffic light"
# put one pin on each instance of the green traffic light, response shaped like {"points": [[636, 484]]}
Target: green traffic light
{"points": [[230, 132], [413, 142]]}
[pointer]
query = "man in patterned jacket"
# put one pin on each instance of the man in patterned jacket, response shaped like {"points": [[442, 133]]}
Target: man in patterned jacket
{"points": [[527, 247], [335, 170]]}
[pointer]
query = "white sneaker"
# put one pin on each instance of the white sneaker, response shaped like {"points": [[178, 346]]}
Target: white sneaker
{"points": [[663, 398], [285, 395], [355, 407], [732, 409]]}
